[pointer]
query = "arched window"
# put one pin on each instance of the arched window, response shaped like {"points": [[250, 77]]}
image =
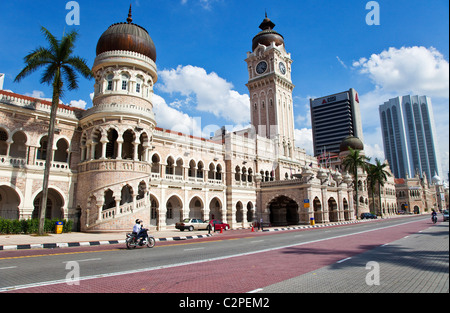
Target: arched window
{"points": [[125, 79], [62, 151], [3, 142], [139, 82], [18, 148], [42, 150], [109, 81]]}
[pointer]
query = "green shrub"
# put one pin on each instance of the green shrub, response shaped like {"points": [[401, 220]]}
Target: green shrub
{"points": [[31, 226]]}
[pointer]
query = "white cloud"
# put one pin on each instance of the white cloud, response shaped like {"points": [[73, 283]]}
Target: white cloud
{"points": [[304, 140], [341, 62], [170, 118], [415, 70], [398, 72], [81, 104], [210, 92]]}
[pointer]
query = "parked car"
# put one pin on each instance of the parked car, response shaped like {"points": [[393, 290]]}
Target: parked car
{"points": [[218, 225], [192, 224], [368, 216], [445, 214]]}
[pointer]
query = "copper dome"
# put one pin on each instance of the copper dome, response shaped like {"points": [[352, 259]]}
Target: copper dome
{"points": [[351, 142], [267, 35], [127, 37]]}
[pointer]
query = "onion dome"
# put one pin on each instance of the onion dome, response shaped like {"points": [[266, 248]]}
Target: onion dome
{"points": [[436, 180], [351, 142], [267, 35], [127, 37]]}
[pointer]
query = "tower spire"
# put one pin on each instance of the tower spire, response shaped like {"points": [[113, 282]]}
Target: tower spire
{"points": [[129, 19]]}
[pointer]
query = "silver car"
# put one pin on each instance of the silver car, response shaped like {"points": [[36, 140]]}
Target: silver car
{"points": [[445, 214], [192, 224]]}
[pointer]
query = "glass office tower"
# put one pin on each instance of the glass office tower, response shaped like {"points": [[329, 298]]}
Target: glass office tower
{"points": [[409, 136]]}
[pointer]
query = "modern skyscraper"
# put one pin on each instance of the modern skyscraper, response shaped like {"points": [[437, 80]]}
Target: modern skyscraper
{"points": [[409, 136], [334, 118]]}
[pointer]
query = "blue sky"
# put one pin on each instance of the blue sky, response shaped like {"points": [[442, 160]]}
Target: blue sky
{"points": [[202, 45]]}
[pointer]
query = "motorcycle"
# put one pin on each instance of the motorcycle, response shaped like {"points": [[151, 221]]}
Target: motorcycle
{"points": [[144, 240], [434, 219]]}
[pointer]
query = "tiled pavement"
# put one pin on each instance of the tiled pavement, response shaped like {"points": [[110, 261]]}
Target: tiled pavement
{"points": [[414, 264]]}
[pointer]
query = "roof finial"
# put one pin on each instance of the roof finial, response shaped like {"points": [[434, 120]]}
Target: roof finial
{"points": [[129, 19], [266, 12]]}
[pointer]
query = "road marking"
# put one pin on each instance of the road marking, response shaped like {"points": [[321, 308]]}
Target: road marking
{"points": [[255, 241], [87, 260], [342, 261], [256, 290], [193, 249], [62, 281], [7, 268]]}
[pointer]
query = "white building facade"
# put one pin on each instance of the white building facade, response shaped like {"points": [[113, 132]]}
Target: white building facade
{"points": [[113, 164]]}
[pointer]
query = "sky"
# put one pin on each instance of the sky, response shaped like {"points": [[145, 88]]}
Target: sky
{"points": [[383, 49]]}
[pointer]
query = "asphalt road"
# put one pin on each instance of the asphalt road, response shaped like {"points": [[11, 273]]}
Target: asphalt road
{"points": [[233, 262]]}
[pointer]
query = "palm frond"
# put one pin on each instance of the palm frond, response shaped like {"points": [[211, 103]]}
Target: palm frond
{"points": [[54, 43], [79, 64], [70, 77]]}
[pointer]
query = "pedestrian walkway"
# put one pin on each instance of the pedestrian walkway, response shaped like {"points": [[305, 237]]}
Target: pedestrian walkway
{"points": [[418, 263]]}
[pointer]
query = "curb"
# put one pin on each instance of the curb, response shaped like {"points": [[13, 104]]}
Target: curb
{"points": [[89, 243], [312, 226]]}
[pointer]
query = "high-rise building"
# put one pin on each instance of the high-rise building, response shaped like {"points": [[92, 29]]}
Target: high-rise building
{"points": [[334, 118], [409, 136]]}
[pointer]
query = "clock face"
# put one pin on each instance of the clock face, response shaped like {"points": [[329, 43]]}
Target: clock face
{"points": [[261, 67], [282, 68]]}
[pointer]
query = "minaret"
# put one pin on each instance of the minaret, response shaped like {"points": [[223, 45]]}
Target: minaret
{"points": [[270, 88]]}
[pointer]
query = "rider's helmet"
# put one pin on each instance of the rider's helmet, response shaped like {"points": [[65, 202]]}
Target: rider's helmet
{"points": [[138, 221]]}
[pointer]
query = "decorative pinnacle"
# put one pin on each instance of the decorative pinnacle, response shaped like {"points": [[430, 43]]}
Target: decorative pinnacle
{"points": [[129, 19]]}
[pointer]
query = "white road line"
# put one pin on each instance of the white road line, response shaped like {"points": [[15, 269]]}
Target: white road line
{"points": [[61, 281], [256, 290], [342, 261], [86, 260], [7, 268], [193, 249]]}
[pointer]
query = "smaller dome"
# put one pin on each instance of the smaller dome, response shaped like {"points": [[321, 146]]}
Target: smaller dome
{"points": [[127, 37], [351, 142], [267, 35], [436, 180]]}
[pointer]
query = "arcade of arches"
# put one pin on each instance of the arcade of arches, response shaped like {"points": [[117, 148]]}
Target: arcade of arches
{"points": [[10, 203], [284, 211]]}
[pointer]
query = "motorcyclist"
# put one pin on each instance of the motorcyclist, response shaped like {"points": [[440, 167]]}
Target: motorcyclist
{"points": [[433, 215], [137, 229]]}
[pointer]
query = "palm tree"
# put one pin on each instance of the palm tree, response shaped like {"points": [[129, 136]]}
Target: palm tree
{"points": [[379, 176], [351, 163], [60, 66]]}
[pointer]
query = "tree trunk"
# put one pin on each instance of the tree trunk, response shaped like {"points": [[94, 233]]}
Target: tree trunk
{"points": [[49, 156]]}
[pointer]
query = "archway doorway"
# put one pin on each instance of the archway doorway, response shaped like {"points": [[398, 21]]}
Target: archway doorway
{"points": [[332, 210], [174, 212], [283, 211], [9, 203], [215, 209], [55, 204], [196, 208], [317, 210]]}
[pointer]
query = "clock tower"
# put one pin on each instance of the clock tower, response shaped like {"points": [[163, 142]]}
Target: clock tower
{"points": [[270, 88]]}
